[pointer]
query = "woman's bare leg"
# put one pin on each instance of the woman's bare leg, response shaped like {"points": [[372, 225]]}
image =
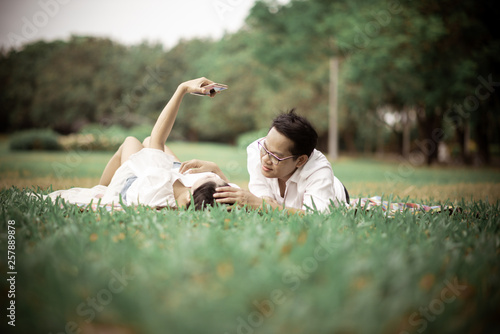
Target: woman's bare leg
{"points": [[166, 149], [130, 146]]}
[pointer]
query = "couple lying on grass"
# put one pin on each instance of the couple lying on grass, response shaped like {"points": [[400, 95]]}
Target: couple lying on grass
{"points": [[286, 171]]}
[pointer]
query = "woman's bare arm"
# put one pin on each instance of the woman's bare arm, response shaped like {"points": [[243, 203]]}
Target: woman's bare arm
{"points": [[165, 122]]}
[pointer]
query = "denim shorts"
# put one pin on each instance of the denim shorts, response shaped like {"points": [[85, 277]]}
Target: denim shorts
{"points": [[127, 185]]}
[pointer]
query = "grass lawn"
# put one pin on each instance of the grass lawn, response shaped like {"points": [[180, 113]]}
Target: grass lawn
{"points": [[148, 271], [81, 168], [362, 177]]}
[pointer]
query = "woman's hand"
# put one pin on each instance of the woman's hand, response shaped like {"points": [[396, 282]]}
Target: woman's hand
{"points": [[165, 121], [196, 86]]}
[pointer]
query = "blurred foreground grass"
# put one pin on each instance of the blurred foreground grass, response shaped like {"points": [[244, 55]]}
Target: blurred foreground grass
{"points": [[362, 177], [147, 271], [348, 271]]}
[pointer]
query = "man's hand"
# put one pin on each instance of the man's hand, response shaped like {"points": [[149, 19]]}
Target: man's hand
{"points": [[199, 166], [241, 197]]}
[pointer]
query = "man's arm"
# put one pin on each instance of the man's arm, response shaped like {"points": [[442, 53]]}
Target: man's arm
{"points": [[241, 197], [199, 166]]}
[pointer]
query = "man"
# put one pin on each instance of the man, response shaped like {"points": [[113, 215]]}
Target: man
{"points": [[286, 171]]}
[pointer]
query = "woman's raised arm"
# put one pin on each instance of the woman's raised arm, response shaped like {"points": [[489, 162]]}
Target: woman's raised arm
{"points": [[165, 122]]}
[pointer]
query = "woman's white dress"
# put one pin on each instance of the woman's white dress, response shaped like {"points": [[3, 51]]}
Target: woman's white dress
{"points": [[147, 178]]}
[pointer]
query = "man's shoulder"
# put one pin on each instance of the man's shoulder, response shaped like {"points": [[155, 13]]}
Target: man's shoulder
{"points": [[317, 166], [317, 161]]}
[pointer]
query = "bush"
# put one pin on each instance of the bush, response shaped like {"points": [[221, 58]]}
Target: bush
{"points": [[142, 131], [249, 137], [36, 139], [89, 142], [96, 137]]}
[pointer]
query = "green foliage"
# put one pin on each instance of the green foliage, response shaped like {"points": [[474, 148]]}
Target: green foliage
{"points": [[234, 111], [229, 272], [70, 84], [37, 139], [249, 137], [393, 54], [400, 54]]}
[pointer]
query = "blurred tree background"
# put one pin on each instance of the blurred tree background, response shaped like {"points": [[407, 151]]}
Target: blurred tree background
{"points": [[414, 75]]}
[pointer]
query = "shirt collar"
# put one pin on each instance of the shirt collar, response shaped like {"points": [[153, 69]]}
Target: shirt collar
{"points": [[305, 171], [296, 176]]}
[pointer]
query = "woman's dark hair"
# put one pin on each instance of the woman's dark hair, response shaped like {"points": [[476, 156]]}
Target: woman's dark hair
{"points": [[299, 130], [203, 196]]}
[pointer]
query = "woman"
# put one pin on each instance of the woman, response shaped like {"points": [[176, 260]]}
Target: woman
{"points": [[148, 173]]}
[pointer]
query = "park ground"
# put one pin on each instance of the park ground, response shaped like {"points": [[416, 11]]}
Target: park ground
{"points": [[347, 271], [363, 177]]}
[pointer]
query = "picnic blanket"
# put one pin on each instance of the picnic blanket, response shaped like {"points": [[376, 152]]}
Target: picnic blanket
{"points": [[390, 208]]}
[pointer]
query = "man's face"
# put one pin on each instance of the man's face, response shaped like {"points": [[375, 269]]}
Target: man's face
{"points": [[280, 146]]}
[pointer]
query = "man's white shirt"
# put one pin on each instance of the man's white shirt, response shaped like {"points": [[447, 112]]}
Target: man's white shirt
{"points": [[312, 183]]}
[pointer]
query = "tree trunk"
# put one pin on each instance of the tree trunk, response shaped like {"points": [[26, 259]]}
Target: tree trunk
{"points": [[333, 107], [482, 140], [349, 135], [380, 141], [405, 149], [431, 133], [466, 144], [463, 138]]}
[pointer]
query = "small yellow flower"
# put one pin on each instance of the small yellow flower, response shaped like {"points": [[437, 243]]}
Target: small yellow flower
{"points": [[225, 269], [427, 282]]}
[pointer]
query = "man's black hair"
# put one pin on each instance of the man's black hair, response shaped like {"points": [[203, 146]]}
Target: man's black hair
{"points": [[299, 130], [203, 196]]}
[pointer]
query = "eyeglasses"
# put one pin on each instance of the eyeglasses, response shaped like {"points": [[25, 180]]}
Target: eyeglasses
{"points": [[272, 157]]}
